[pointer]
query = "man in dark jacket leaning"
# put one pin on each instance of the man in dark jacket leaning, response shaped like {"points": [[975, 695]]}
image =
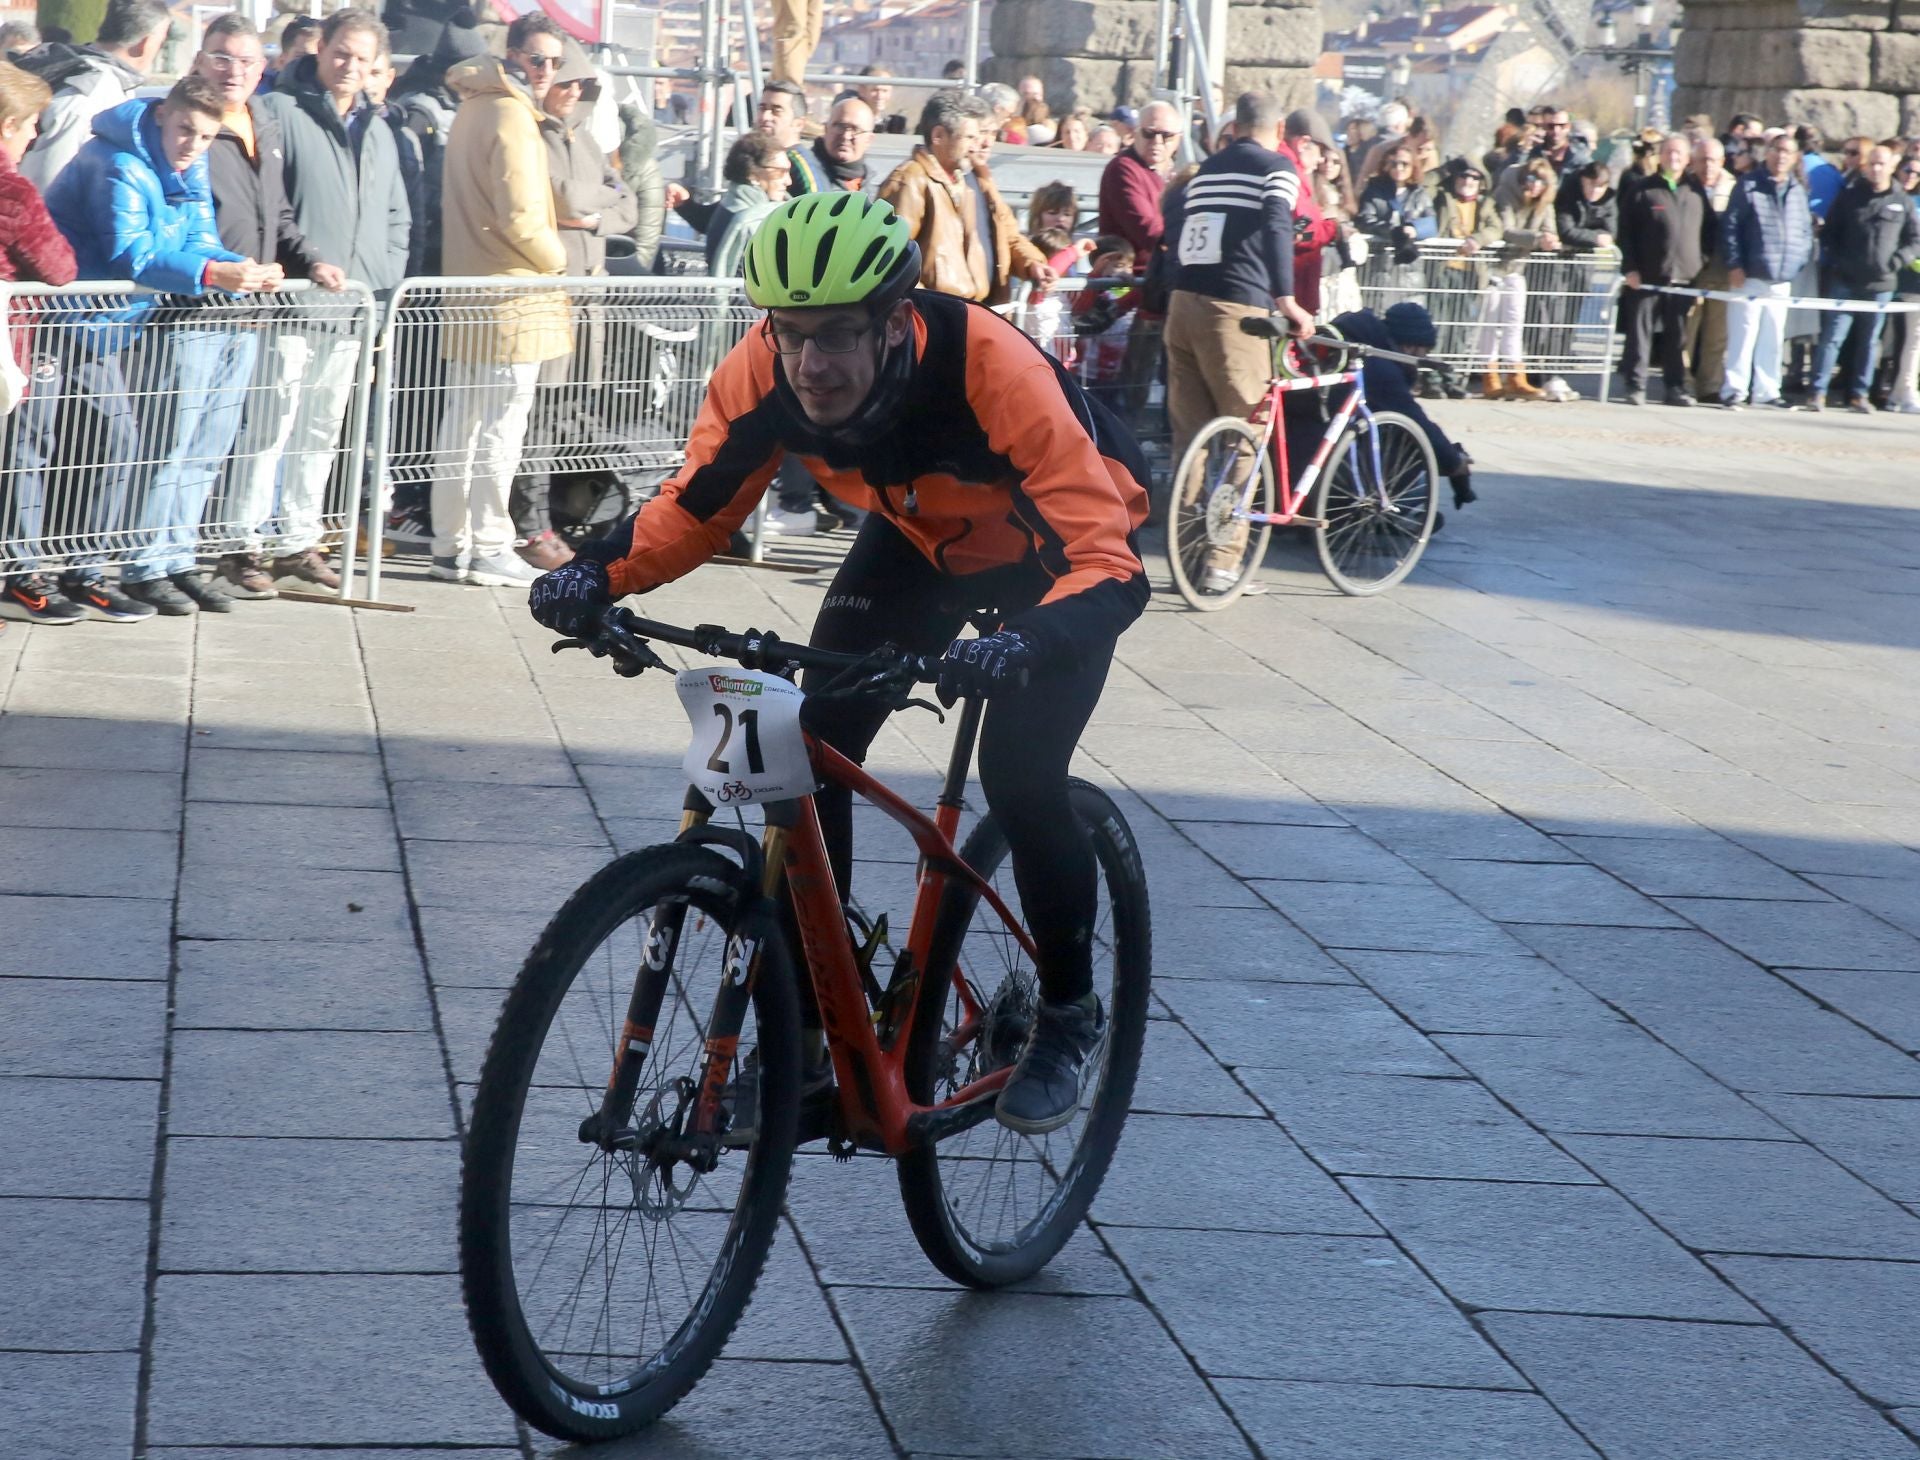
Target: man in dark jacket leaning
{"points": [[1665, 238], [246, 166], [1872, 233]]}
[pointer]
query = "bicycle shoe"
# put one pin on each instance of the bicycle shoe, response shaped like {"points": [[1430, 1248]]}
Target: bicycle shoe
{"points": [[1043, 1093], [742, 1101]]}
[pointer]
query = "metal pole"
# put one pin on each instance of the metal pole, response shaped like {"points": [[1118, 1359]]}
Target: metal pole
{"points": [[750, 36], [1203, 73], [356, 429], [973, 43], [381, 444], [710, 58], [1163, 45]]}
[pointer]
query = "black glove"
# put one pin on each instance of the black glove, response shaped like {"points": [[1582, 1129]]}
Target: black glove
{"points": [[1463, 492], [986, 666], [570, 597]]}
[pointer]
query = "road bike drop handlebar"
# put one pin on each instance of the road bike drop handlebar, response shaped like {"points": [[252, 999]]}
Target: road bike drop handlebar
{"points": [[1277, 327]]}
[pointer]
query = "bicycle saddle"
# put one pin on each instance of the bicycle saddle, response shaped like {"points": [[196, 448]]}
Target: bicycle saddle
{"points": [[1266, 326]]}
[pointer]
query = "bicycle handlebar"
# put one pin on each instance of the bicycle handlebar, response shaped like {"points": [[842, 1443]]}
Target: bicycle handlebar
{"points": [[623, 636], [1278, 326]]}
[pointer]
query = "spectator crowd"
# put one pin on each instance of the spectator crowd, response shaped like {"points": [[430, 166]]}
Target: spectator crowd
{"points": [[127, 412]]}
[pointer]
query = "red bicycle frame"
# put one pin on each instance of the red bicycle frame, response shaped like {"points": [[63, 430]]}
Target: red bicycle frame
{"points": [[1268, 416]]}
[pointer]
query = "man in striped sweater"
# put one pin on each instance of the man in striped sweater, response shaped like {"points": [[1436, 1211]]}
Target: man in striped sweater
{"points": [[1230, 233]]}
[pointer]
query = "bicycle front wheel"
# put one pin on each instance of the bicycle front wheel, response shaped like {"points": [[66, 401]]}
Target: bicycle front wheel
{"points": [[990, 1207], [1376, 514], [602, 1278], [1214, 550]]}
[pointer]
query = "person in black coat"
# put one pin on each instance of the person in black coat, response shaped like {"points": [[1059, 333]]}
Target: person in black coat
{"points": [[1872, 233], [1666, 237], [1588, 209]]}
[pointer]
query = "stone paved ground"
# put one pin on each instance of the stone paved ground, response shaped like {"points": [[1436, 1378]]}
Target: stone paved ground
{"points": [[1538, 979]]}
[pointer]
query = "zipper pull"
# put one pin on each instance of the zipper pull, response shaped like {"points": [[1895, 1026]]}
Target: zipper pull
{"points": [[911, 503]]}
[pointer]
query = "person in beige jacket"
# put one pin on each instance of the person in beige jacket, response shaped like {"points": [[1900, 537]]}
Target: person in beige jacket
{"points": [[498, 218], [930, 194]]}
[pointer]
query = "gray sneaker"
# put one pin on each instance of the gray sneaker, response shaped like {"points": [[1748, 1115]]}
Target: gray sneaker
{"points": [[449, 570], [501, 570]]}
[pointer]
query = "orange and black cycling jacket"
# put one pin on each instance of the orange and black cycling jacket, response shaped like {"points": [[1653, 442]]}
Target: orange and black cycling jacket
{"points": [[995, 458]]}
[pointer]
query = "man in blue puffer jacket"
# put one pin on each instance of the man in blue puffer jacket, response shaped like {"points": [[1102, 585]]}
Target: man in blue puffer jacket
{"points": [[136, 205], [1766, 239]]}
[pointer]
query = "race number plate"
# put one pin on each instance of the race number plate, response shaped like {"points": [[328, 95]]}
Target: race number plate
{"points": [[746, 744]]}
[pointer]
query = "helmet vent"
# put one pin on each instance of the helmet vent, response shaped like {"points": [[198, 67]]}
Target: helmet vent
{"points": [[867, 259], [823, 255], [840, 204], [780, 259]]}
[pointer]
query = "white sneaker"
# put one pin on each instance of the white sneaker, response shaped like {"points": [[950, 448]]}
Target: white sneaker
{"points": [[1219, 580], [1906, 408], [449, 570], [1558, 389], [501, 570], [782, 523]]}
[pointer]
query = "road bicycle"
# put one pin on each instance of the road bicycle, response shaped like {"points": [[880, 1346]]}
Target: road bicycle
{"points": [[638, 1109], [1369, 489]]}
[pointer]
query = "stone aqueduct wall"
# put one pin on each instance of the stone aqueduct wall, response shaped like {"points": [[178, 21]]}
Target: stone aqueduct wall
{"points": [[1099, 53], [1846, 66]]}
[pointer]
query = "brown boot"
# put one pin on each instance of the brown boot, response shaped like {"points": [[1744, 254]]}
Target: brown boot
{"points": [[1491, 387], [1520, 388], [308, 567]]}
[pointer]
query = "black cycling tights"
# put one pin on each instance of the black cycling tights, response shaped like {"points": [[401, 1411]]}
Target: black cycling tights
{"points": [[886, 592]]}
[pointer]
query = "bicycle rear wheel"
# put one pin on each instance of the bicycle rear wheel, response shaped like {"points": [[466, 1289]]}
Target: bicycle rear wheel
{"points": [[1376, 518], [1214, 553], [601, 1284], [990, 1207]]}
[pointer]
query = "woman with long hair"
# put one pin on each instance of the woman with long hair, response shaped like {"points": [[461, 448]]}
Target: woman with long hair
{"points": [[1523, 211]]}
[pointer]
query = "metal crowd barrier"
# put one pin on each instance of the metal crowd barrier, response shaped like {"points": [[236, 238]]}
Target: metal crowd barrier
{"points": [[156, 426], [1567, 328], [617, 368]]}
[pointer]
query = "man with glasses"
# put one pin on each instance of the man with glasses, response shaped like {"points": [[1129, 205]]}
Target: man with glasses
{"points": [[500, 219], [837, 158], [1557, 144], [1131, 185], [990, 481], [247, 168]]}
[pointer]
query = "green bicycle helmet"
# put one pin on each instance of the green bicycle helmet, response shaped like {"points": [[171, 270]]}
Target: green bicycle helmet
{"points": [[828, 249]]}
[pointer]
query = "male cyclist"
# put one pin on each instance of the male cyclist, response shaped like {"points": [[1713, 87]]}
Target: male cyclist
{"points": [[991, 482]]}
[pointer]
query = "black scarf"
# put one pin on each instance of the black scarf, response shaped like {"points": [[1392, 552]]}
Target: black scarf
{"points": [[841, 173]]}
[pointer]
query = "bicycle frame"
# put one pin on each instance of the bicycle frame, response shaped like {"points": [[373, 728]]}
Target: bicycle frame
{"points": [[877, 1111], [1274, 438]]}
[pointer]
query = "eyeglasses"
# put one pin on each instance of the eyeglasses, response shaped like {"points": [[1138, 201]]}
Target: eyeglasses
{"points": [[850, 129], [538, 63], [1154, 135], [833, 339], [222, 62]]}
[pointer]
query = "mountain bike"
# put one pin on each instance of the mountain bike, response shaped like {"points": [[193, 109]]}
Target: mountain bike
{"points": [[1369, 490], [640, 1102]]}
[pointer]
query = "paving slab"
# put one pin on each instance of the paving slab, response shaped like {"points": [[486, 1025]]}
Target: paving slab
{"points": [[1178, 1077], [82, 1026], [290, 778], [1802, 935], [1885, 1001], [309, 1206], [1877, 1140], [1393, 1125], [1424, 919], [1298, 853], [241, 984], [1752, 1196], [460, 811], [230, 1082], [499, 876], [101, 800], [81, 743], [1547, 1249], [856, 1235], [1302, 1026], [1236, 943], [384, 1360], [1345, 1309], [1241, 1175], [1621, 1082], [72, 1271], [326, 838], [1114, 1384], [1859, 1317], [1393, 1422], [66, 936], [108, 864], [258, 904], [77, 1137], [1549, 892], [1704, 868], [298, 722], [68, 1406], [1472, 993], [1643, 1390]]}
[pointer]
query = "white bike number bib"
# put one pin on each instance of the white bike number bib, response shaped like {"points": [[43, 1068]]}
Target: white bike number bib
{"points": [[746, 744], [1200, 238]]}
